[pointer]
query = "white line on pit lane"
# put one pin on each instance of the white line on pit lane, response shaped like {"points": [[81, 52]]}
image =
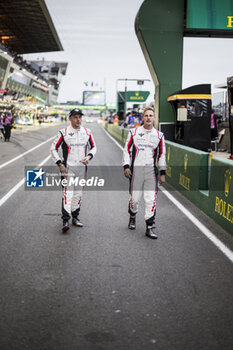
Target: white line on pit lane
{"points": [[23, 154], [219, 244], [18, 185]]}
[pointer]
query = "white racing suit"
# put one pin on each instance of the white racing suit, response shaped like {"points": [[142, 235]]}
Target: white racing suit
{"points": [[74, 144], [143, 152]]}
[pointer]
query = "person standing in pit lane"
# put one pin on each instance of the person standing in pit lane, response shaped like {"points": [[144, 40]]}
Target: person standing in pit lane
{"points": [[8, 124], [1, 126], [74, 140], [144, 150]]}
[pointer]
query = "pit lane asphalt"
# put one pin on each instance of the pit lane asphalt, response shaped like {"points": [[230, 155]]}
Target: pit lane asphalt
{"points": [[103, 287]]}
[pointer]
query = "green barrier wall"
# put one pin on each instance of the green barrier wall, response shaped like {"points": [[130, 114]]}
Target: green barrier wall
{"points": [[114, 131], [187, 171], [208, 185], [119, 134], [187, 167], [221, 193]]}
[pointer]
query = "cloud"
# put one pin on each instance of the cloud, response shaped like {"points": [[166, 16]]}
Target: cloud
{"points": [[86, 27], [92, 35]]}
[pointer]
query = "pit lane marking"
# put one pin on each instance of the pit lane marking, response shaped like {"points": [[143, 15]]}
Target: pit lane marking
{"points": [[18, 185], [219, 244], [23, 154]]}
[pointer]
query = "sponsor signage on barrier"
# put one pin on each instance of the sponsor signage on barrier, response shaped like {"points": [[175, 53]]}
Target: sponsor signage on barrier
{"points": [[221, 191], [184, 180], [187, 168]]}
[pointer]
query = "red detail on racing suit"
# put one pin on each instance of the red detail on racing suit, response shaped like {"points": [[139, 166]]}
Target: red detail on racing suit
{"points": [[59, 142]]}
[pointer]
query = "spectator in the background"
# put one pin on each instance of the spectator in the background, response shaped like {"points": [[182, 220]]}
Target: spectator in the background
{"points": [[137, 118], [40, 119], [130, 120], [213, 127], [8, 124], [1, 125], [115, 120]]}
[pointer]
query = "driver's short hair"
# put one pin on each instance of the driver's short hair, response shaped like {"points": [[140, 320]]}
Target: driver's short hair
{"points": [[148, 109]]}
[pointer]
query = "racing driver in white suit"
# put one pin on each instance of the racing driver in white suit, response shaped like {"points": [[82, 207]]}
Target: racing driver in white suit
{"points": [[144, 151], [78, 148]]}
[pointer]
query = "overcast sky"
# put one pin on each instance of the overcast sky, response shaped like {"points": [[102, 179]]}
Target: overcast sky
{"points": [[100, 46]]}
